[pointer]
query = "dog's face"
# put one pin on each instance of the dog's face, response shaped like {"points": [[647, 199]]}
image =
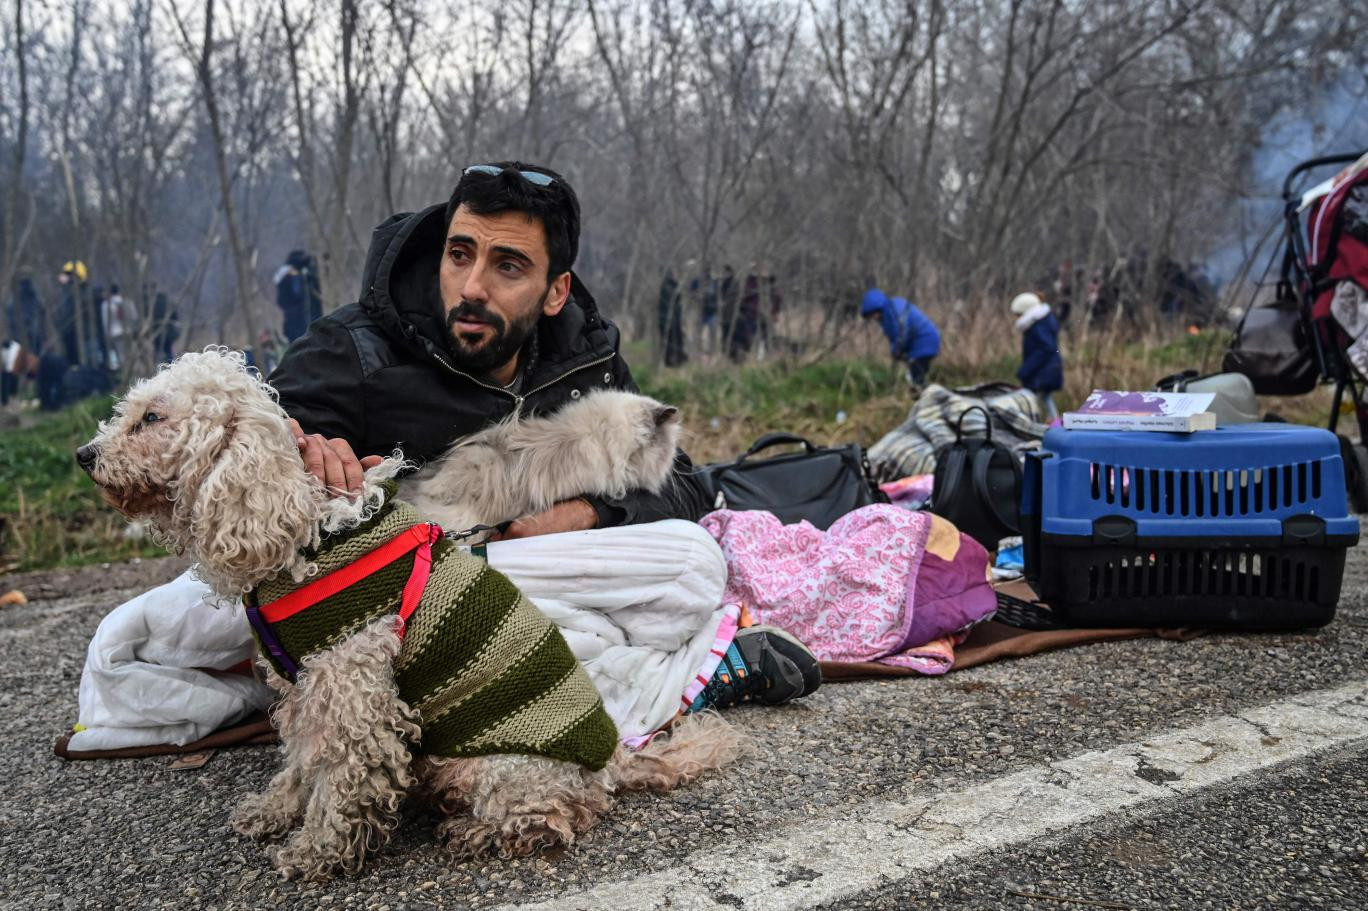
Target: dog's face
{"points": [[138, 457], [203, 453]]}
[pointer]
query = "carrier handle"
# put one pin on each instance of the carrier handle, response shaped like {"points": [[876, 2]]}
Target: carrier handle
{"points": [[1114, 531], [1306, 530]]}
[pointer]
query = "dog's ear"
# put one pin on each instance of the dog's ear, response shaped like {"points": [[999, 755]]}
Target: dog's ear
{"points": [[256, 506]]}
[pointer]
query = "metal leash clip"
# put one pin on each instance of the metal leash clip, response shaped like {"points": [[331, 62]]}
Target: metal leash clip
{"points": [[478, 549]]}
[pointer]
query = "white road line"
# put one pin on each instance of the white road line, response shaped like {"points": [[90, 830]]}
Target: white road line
{"points": [[887, 840]]}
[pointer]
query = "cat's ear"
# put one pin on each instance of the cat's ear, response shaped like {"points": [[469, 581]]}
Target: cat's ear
{"points": [[663, 414]]}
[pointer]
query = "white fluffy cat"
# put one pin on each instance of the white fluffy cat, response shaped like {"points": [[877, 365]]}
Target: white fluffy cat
{"points": [[605, 444]]}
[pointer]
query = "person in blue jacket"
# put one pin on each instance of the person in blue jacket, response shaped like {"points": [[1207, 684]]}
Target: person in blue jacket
{"points": [[294, 294], [912, 336], [1042, 368]]}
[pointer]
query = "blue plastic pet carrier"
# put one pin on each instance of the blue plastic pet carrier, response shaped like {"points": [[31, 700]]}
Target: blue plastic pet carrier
{"points": [[1243, 526]]}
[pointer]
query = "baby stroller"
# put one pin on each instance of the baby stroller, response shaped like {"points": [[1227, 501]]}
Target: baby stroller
{"points": [[1315, 330]]}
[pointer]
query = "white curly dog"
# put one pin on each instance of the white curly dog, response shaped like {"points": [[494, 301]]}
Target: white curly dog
{"points": [[201, 453]]}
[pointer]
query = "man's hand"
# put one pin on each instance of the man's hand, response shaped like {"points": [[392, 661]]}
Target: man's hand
{"points": [[332, 461], [567, 515]]}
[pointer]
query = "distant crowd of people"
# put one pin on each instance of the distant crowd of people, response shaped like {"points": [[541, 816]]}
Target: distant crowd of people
{"points": [[734, 317], [737, 318], [83, 342], [86, 336], [1183, 292], [1042, 314], [83, 338]]}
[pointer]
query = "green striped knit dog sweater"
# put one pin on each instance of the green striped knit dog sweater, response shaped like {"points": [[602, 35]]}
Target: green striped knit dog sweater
{"points": [[484, 668]]}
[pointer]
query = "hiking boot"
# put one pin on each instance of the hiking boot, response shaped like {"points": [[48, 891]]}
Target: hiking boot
{"points": [[765, 665]]}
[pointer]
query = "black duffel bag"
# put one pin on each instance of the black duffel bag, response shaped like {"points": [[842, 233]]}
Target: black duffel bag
{"points": [[817, 484], [1272, 348]]}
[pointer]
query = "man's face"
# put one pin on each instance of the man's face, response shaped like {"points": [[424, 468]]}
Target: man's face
{"points": [[494, 286]]}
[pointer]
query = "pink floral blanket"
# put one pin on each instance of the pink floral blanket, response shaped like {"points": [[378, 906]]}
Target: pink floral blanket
{"points": [[882, 584]]}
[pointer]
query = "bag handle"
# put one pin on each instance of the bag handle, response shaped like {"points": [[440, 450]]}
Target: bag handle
{"points": [[987, 419], [776, 439], [1176, 382]]}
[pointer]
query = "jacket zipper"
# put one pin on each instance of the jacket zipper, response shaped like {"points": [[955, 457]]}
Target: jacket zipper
{"points": [[518, 399]]}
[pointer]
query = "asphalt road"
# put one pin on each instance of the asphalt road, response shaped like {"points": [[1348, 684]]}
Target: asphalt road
{"points": [[1226, 772]]}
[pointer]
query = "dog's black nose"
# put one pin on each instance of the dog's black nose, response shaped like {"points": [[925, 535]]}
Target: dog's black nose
{"points": [[85, 457]]}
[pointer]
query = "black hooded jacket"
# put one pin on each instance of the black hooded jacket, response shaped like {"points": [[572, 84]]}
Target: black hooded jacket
{"points": [[377, 374]]}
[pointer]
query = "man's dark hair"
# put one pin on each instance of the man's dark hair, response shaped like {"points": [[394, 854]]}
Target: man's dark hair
{"points": [[555, 206]]}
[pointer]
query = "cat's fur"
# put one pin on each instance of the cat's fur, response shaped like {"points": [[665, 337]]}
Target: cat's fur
{"points": [[605, 444]]}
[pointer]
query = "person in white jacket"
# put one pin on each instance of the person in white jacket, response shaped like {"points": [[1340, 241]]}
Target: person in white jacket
{"points": [[119, 317]]}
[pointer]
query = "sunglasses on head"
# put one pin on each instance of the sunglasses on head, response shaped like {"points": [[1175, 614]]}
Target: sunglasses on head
{"points": [[536, 178]]}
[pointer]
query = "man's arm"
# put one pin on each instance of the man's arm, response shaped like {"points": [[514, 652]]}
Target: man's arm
{"points": [[888, 321], [682, 497]]}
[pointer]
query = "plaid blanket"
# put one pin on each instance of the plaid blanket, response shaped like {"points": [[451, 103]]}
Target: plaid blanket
{"points": [[910, 448]]}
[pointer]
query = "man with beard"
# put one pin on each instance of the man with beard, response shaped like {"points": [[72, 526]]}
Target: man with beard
{"points": [[469, 313]]}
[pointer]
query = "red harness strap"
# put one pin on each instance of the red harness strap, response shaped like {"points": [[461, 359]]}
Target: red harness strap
{"points": [[418, 537], [418, 577]]}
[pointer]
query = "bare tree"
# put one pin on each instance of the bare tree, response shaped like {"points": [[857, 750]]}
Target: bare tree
{"points": [[203, 57], [951, 151], [876, 55], [15, 227], [301, 149]]}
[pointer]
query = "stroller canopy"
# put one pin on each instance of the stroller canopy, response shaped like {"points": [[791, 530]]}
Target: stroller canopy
{"points": [[1337, 236]]}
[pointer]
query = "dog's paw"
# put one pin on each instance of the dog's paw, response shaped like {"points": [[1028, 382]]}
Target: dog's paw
{"points": [[262, 818], [534, 836], [465, 839], [515, 836], [301, 858]]}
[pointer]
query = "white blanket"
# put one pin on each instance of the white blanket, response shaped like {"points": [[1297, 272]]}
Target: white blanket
{"points": [[639, 605]]}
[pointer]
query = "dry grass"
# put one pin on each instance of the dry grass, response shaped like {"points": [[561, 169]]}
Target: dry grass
{"points": [[727, 407], [847, 391], [37, 536]]}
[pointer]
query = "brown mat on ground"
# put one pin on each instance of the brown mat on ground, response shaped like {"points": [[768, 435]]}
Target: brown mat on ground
{"points": [[993, 641], [256, 729]]}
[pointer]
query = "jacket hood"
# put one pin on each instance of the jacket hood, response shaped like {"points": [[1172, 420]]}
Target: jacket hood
{"points": [[1032, 316], [874, 299], [400, 292]]}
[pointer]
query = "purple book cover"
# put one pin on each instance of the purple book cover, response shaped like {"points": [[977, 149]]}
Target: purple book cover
{"points": [[1175, 404]]}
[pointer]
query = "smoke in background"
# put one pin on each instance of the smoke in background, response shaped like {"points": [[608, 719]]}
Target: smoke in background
{"points": [[1334, 122]]}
